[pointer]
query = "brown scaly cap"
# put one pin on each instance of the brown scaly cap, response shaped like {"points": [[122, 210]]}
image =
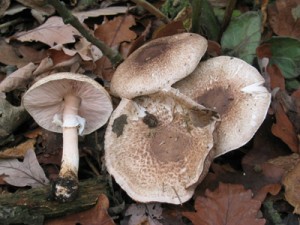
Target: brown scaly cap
{"points": [[158, 64], [152, 147], [235, 90]]}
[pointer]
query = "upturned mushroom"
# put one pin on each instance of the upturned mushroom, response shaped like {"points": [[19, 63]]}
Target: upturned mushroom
{"points": [[68, 103], [235, 90], [152, 147], [157, 65]]}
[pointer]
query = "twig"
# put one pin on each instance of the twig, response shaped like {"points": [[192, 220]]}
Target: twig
{"points": [[68, 18], [153, 10], [228, 13]]}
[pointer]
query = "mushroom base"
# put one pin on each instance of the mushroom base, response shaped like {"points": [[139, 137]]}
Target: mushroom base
{"points": [[65, 189]]}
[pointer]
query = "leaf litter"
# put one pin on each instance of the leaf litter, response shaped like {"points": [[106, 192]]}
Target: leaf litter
{"points": [[250, 176]]}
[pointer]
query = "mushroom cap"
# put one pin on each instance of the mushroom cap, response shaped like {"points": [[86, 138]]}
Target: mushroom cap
{"points": [[158, 64], [45, 98], [235, 90], [152, 148]]}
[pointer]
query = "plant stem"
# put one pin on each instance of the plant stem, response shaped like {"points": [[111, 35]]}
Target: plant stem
{"points": [[153, 10], [68, 18], [228, 13]]}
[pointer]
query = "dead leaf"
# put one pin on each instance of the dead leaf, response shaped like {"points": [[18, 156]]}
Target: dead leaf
{"points": [[144, 214], [292, 186], [18, 79], [100, 12], [229, 204], [26, 173], [284, 18], [283, 129], [174, 27], [276, 77], [113, 33], [52, 32], [287, 163], [95, 216], [10, 55], [17, 151], [116, 31]]}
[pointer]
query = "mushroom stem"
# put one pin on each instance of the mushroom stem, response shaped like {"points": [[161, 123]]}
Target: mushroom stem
{"points": [[66, 186]]}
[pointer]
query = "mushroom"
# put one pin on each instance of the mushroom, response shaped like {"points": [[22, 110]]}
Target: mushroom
{"points": [[152, 147], [235, 90], [68, 103], [158, 64]]}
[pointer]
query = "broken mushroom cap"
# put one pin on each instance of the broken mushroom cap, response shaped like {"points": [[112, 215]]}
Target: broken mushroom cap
{"points": [[45, 101], [158, 64], [152, 147], [235, 90], [70, 104]]}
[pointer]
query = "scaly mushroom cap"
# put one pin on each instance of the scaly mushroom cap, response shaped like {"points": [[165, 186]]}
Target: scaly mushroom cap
{"points": [[158, 149], [45, 99], [158, 64], [235, 90]]}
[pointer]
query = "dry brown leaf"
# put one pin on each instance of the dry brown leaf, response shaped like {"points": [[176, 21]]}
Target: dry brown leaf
{"points": [[19, 55], [18, 79], [292, 186], [26, 173], [229, 204], [52, 32], [116, 31], [95, 216], [284, 18], [283, 129], [113, 33], [17, 151], [169, 29], [276, 77], [100, 12]]}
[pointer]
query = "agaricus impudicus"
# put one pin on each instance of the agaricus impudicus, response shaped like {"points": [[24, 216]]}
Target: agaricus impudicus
{"points": [[158, 64], [68, 103], [152, 147], [235, 90]]}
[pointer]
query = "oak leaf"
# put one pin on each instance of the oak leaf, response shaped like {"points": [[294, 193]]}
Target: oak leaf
{"points": [[52, 32], [26, 173], [230, 204], [284, 18]]}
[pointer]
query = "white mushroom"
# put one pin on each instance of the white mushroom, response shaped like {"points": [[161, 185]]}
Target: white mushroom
{"points": [[158, 147], [68, 103], [235, 90], [158, 64]]}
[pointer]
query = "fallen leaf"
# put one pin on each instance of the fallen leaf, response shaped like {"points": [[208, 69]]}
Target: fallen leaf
{"points": [[292, 185], [284, 18], [17, 151], [276, 77], [52, 32], [287, 163], [38, 5], [95, 216], [113, 33], [10, 55], [116, 31], [144, 214], [26, 173], [4, 6], [100, 12], [283, 129], [229, 204], [18, 79], [174, 27]]}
